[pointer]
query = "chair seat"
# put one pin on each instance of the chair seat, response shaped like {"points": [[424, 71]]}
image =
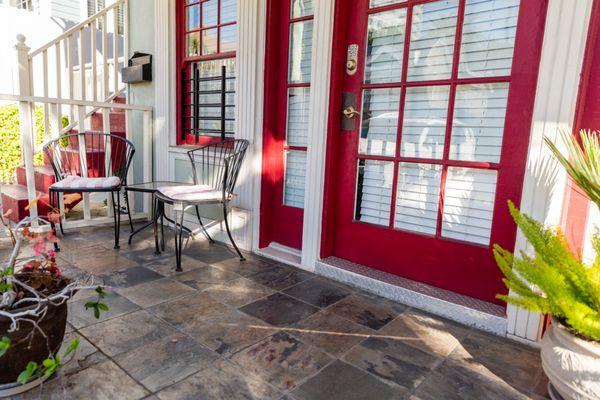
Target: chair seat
{"points": [[193, 193], [80, 183]]}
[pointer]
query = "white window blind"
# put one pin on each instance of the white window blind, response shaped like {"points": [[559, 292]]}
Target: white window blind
{"points": [[417, 197], [300, 57], [297, 116], [379, 3], [301, 8], [432, 40], [379, 126], [385, 46], [295, 176], [228, 11], [488, 38], [478, 123], [374, 191], [424, 122], [469, 204]]}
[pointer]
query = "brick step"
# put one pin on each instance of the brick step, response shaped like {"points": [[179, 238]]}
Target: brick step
{"points": [[15, 198], [44, 177], [116, 118]]}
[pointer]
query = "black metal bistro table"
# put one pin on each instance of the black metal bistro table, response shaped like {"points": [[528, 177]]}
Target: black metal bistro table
{"points": [[151, 188]]}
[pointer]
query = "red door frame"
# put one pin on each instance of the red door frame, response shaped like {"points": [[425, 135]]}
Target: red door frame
{"points": [[278, 222], [464, 260]]}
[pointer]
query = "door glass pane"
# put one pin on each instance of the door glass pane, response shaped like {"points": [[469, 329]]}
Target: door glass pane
{"points": [[192, 18], [432, 40], [297, 116], [488, 38], [228, 38], [301, 8], [478, 123], [192, 44], [209, 13], [424, 123], [379, 3], [469, 204], [379, 124], [374, 191], [295, 176], [300, 57], [385, 46], [209, 41], [417, 198], [228, 11]]}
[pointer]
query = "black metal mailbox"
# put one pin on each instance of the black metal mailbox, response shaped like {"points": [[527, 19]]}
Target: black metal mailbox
{"points": [[139, 69]]}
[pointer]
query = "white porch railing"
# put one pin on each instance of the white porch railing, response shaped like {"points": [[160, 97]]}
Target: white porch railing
{"points": [[62, 89]]}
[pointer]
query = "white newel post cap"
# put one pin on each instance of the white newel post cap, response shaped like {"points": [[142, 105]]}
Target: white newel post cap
{"points": [[21, 42]]}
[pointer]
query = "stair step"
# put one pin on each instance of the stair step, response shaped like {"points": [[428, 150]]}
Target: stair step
{"points": [[44, 177], [117, 122], [15, 198]]}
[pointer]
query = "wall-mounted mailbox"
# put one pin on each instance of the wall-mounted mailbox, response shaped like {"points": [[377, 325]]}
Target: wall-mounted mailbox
{"points": [[139, 69]]}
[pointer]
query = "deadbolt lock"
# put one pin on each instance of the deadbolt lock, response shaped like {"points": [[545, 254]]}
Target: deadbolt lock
{"points": [[351, 66], [350, 112], [352, 59]]}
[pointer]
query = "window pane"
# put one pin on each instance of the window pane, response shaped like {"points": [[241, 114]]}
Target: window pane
{"points": [[374, 191], [385, 46], [379, 126], [424, 124], [209, 41], [478, 123], [228, 38], [192, 44], [488, 38], [209, 13], [295, 176], [300, 51], [297, 116], [417, 198], [378, 3], [301, 8], [432, 40], [469, 204], [228, 11], [192, 17]]}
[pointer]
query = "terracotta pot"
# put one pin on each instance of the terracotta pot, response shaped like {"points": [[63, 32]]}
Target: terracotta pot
{"points": [[572, 364], [23, 350]]}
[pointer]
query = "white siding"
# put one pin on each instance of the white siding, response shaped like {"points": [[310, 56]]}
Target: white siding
{"points": [[70, 10]]}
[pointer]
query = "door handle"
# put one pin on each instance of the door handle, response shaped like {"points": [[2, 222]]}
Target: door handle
{"points": [[350, 112]]}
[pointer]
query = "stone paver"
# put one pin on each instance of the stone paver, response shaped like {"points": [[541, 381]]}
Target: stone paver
{"points": [[225, 329]]}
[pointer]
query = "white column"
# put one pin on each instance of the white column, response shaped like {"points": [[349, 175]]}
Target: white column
{"points": [[317, 131], [558, 82]]}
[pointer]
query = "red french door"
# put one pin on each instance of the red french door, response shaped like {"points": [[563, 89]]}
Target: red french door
{"points": [[419, 178], [287, 96]]}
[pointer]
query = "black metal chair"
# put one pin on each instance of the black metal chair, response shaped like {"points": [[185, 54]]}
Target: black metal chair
{"points": [[215, 169], [90, 162]]}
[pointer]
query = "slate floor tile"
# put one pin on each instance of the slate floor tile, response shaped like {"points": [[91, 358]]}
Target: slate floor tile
{"points": [[118, 305], [244, 268], [209, 253], [202, 278], [367, 311], [102, 381], [432, 334], [282, 360], [239, 292], [127, 332], [161, 363], [188, 311], [393, 361], [166, 265], [154, 292], [318, 292], [223, 380], [279, 310], [330, 332], [84, 356], [279, 277], [228, 332], [340, 381], [96, 259], [130, 277]]}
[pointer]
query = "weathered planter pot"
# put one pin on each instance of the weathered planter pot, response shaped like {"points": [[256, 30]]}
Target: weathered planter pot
{"points": [[572, 364], [23, 350]]}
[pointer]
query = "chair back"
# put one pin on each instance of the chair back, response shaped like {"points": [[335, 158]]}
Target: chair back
{"points": [[218, 164], [102, 155]]}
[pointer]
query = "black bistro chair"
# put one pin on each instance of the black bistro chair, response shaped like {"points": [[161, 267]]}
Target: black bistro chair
{"points": [[215, 169], [105, 157]]}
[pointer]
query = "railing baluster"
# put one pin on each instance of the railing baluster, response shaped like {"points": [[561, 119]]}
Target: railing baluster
{"points": [[107, 153], [116, 49], [82, 62], [105, 72], [93, 59], [83, 165], [147, 154], [58, 71], [71, 78], [45, 91]]}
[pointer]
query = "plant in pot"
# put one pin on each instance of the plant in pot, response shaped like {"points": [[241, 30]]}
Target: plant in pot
{"points": [[33, 307], [553, 280]]}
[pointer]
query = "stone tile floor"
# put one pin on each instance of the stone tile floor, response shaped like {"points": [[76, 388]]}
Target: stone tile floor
{"points": [[225, 329]]}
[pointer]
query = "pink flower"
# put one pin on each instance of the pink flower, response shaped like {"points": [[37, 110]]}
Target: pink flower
{"points": [[51, 253], [39, 248]]}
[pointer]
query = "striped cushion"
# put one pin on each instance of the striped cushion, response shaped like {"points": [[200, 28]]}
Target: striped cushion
{"points": [[80, 183], [192, 193]]}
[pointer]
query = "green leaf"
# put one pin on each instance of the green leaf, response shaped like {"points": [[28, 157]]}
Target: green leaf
{"points": [[4, 345], [74, 345], [102, 306]]}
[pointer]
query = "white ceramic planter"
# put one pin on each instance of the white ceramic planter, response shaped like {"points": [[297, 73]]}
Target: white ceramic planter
{"points": [[572, 364]]}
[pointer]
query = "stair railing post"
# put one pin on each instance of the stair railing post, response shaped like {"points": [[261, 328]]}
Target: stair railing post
{"points": [[26, 126]]}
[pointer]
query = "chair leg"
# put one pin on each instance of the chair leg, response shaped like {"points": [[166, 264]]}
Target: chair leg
{"points": [[162, 226], [52, 195], [116, 217], [60, 221], [128, 210], [202, 226], [242, 258], [155, 215], [178, 241]]}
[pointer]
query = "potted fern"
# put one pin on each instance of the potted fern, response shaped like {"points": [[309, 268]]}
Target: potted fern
{"points": [[556, 281]]}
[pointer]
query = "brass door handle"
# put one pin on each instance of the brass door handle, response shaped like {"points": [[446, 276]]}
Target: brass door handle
{"points": [[350, 112]]}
